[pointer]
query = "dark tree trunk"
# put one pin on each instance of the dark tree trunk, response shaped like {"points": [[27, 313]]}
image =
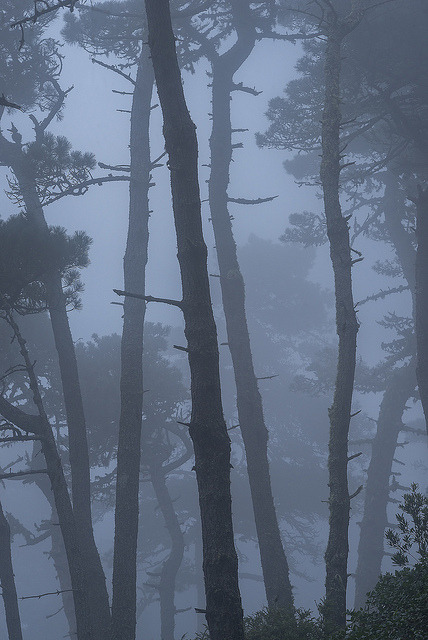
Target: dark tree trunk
{"points": [[372, 535], [7, 582], [207, 426], [421, 298], [249, 403], [172, 564], [336, 556], [131, 382]]}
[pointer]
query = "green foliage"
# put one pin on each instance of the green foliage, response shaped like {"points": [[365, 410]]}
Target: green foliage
{"points": [[56, 169], [278, 624], [28, 255], [410, 535], [397, 608]]}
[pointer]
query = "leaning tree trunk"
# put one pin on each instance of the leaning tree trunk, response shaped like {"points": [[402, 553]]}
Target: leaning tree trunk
{"points": [[7, 582], [39, 425], [249, 403], [421, 298], [372, 535], [172, 564], [131, 382], [336, 556], [77, 438], [207, 426]]}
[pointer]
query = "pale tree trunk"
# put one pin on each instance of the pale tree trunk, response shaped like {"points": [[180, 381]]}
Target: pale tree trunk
{"points": [[249, 403], [131, 382], [372, 535], [421, 298], [39, 425], [207, 426], [401, 385], [336, 556], [7, 582], [172, 564]]}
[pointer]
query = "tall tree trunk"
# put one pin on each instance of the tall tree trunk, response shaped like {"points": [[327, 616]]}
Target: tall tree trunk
{"points": [[77, 438], [421, 298], [131, 381], [7, 581], [400, 387], [336, 556], [249, 403], [207, 426], [389, 424], [172, 564]]}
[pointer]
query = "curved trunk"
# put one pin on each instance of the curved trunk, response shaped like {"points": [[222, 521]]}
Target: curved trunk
{"points": [[249, 403], [131, 381], [7, 582], [207, 426], [172, 564], [389, 424], [336, 556]]}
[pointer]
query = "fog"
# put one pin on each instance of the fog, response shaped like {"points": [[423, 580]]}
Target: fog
{"points": [[291, 300]]}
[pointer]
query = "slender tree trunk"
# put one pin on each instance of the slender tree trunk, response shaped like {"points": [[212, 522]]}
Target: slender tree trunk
{"points": [[400, 387], [80, 577], [172, 564], [249, 403], [421, 298], [336, 556], [372, 535], [131, 382], [7, 581], [78, 445], [207, 426]]}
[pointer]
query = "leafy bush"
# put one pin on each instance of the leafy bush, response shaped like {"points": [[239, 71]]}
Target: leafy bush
{"points": [[397, 608], [278, 624]]}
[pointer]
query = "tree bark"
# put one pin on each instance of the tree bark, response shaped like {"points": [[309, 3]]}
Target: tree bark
{"points": [[172, 564], [336, 556], [249, 403], [78, 445], [7, 582], [131, 382], [372, 535], [207, 426], [421, 298]]}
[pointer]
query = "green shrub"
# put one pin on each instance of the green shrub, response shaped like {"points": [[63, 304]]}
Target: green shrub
{"points": [[278, 624], [397, 608]]}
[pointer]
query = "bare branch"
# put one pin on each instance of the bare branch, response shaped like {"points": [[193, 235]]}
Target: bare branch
{"points": [[174, 303], [249, 201], [113, 67]]}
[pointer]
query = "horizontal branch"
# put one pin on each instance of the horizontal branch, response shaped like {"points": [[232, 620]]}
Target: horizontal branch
{"points": [[19, 474], [250, 201], [82, 187], [115, 167], [241, 87], [276, 375], [139, 296], [49, 593]]}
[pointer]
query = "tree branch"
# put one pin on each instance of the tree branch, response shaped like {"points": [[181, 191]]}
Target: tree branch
{"points": [[174, 303]]}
